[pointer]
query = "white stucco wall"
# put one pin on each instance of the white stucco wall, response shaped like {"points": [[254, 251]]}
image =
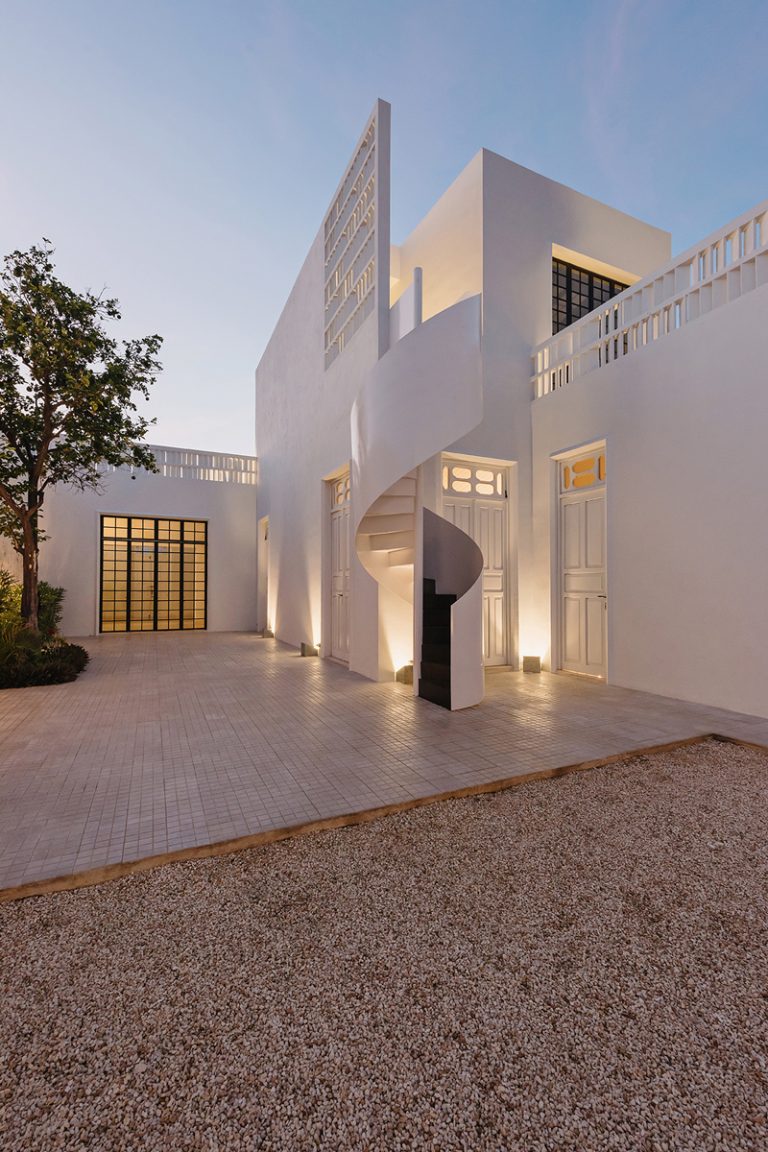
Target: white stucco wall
{"points": [[685, 423], [524, 215], [492, 232], [447, 245], [303, 434], [70, 557]]}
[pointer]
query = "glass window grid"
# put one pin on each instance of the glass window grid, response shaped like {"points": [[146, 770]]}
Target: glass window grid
{"points": [[153, 574], [576, 292]]}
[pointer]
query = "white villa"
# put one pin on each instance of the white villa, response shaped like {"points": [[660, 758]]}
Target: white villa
{"points": [[523, 431]]}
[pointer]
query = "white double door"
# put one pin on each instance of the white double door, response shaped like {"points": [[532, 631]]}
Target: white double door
{"points": [[583, 612], [486, 522]]}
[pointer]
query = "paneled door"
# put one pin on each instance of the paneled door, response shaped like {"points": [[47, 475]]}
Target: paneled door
{"points": [[475, 500], [339, 491], [582, 552]]}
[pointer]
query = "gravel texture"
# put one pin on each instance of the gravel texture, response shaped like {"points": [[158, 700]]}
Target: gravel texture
{"points": [[576, 964]]}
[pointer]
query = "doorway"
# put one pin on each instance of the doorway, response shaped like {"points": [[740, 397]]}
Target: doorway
{"points": [[583, 592], [153, 574], [339, 498], [476, 500]]}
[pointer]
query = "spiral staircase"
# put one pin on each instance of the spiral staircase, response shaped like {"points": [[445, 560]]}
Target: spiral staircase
{"points": [[422, 396]]}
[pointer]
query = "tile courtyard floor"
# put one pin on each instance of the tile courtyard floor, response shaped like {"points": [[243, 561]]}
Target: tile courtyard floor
{"points": [[170, 741]]}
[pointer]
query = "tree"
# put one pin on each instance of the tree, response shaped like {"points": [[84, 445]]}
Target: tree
{"points": [[67, 398]]}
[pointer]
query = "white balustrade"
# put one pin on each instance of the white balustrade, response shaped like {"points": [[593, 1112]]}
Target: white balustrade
{"points": [[189, 464], [724, 266]]}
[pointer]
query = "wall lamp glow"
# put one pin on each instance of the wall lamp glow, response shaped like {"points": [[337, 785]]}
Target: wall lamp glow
{"points": [[531, 663]]}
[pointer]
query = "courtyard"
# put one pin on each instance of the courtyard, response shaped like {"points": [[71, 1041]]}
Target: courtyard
{"points": [[172, 742], [575, 963]]}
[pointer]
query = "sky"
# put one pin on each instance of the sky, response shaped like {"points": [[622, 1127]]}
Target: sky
{"points": [[182, 153]]}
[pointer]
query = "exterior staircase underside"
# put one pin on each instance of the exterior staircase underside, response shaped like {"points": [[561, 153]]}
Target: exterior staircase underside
{"points": [[387, 536]]}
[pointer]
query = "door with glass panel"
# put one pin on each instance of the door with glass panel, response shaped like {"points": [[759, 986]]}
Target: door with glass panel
{"points": [[582, 556], [475, 500], [153, 574]]}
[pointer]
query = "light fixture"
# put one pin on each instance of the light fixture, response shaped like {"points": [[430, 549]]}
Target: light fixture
{"points": [[310, 650], [404, 675], [531, 663]]}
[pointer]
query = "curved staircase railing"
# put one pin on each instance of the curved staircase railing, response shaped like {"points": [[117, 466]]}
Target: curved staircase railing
{"points": [[451, 672], [421, 396]]}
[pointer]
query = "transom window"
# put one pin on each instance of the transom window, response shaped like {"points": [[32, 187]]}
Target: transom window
{"points": [[479, 480], [153, 574], [582, 471], [340, 490], [575, 292]]}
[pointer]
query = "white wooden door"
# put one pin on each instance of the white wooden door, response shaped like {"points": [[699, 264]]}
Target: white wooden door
{"points": [[486, 522], [584, 602], [340, 531]]}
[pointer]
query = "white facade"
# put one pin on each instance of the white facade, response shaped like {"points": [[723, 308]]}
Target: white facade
{"points": [[444, 481], [217, 490], [683, 413], [639, 571]]}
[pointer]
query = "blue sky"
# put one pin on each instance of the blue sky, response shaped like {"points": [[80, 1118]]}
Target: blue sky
{"points": [[183, 153]]}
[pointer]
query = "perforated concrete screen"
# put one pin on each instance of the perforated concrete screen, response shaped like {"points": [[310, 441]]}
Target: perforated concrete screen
{"points": [[356, 237]]}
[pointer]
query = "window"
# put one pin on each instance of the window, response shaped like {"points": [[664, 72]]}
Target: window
{"points": [[483, 480], [153, 574], [575, 292]]}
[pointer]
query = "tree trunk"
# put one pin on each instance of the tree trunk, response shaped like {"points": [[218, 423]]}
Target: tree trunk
{"points": [[29, 589]]}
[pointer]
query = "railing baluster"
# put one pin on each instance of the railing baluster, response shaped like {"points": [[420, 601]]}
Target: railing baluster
{"points": [[727, 264]]}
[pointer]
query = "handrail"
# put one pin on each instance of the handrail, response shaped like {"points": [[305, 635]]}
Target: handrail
{"points": [[454, 561], [191, 464], [422, 395], [725, 265]]}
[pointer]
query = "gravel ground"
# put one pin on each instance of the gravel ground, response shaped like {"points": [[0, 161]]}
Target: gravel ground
{"points": [[576, 964]]}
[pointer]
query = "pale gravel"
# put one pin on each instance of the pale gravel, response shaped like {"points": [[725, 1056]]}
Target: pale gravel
{"points": [[577, 964]]}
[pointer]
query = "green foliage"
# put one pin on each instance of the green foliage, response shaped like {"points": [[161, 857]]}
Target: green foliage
{"points": [[51, 601], [26, 657], [26, 664], [49, 612], [68, 393], [10, 595]]}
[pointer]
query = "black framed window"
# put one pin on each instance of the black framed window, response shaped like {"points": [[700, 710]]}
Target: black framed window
{"points": [[575, 292], [154, 574]]}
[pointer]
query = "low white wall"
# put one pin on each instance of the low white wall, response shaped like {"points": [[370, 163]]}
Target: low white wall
{"points": [[685, 422], [70, 557]]}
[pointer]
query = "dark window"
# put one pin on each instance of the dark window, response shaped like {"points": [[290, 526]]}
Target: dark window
{"points": [[575, 292], [153, 574]]}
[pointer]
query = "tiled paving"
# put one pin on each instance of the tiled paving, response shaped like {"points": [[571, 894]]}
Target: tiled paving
{"points": [[171, 741]]}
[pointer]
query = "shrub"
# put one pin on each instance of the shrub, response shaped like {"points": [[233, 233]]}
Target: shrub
{"points": [[27, 665], [32, 658], [49, 608], [10, 597]]}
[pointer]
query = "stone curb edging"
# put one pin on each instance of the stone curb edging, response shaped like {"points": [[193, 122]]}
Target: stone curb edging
{"points": [[94, 876]]}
